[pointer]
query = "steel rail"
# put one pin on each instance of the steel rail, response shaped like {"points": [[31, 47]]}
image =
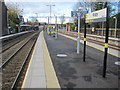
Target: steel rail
{"points": [[15, 53], [21, 69], [12, 44]]}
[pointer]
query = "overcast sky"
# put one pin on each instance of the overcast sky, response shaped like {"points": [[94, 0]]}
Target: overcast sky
{"points": [[31, 7], [60, 8]]}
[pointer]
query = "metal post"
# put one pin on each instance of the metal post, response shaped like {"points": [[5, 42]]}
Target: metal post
{"points": [[56, 28], [48, 20], [106, 44], [84, 54], [78, 39], [102, 22], [115, 34], [63, 21], [48, 26], [50, 15], [102, 28], [36, 18], [116, 28]]}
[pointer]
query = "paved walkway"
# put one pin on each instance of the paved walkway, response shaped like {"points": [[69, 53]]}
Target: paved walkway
{"points": [[47, 70], [72, 72], [40, 68], [35, 76]]}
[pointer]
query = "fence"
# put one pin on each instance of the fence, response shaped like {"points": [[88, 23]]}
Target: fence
{"points": [[99, 31]]}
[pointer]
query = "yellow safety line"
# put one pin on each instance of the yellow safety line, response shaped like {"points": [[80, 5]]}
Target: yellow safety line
{"points": [[78, 31], [51, 78], [28, 69], [89, 45]]}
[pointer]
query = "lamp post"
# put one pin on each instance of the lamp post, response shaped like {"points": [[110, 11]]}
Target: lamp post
{"points": [[63, 21], [102, 22], [115, 33], [78, 38], [56, 31], [49, 18], [50, 10], [36, 18]]}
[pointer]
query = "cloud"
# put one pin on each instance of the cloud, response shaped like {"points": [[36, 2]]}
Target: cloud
{"points": [[31, 8], [35, 7], [42, 9], [43, 0]]}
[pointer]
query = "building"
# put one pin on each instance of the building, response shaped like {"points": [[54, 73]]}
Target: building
{"points": [[3, 19], [68, 26]]}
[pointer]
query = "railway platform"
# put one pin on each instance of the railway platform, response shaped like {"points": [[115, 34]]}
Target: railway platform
{"points": [[13, 35], [40, 73], [55, 64]]}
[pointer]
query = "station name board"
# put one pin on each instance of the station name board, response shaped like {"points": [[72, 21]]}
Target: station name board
{"points": [[74, 14], [97, 16]]}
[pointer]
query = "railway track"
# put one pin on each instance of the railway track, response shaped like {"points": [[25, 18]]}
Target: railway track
{"points": [[6, 44], [94, 41], [13, 66], [7, 54]]}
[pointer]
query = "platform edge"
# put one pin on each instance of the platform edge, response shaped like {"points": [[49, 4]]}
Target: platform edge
{"points": [[51, 77]]}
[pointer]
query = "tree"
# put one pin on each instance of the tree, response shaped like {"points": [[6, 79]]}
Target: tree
{"points": [[13, 19], [112, 21], [113, 6], [94, 6], [14, 16], [87, 7], [73, 27], [64, 25], [15, 6], [62, 20]]}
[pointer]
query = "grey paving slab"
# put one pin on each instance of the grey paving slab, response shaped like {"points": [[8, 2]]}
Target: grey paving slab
{"points": [[38, 82], [36, 74]]}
